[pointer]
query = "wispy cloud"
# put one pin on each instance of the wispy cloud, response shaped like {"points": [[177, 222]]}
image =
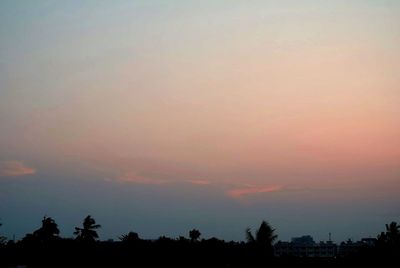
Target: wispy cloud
{"points": [[199, 182], [15, 169], [133, 177], [238, 193]]}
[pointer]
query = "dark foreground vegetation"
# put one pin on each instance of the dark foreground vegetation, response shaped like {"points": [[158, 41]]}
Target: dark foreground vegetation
{"points": [[45, 248]]}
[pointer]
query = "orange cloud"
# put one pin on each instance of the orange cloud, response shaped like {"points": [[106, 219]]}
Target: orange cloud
{"points": [[15, 169], [241, 192]]}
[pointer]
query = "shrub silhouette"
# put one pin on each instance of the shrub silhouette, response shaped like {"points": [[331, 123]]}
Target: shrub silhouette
{"points": [[130, 237]]}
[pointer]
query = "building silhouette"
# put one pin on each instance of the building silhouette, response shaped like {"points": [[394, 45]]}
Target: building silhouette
{"points": [[305, 246]]}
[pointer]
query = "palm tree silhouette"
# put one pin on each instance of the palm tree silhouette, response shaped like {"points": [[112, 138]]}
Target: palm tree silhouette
{"points": [[88, 232], [393, 233], [263, 239]]}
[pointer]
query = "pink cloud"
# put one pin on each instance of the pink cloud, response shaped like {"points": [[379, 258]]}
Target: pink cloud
{"points": [[241, 192], [15, 169], [199, 182]]}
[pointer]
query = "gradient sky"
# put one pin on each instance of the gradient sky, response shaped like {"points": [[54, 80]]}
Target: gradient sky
{"points": [[162, 116]]}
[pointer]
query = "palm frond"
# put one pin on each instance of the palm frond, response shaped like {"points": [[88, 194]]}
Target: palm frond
{"points": [[249, 236]]}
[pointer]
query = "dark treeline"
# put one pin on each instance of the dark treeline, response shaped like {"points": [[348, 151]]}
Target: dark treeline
{"points": [[46, 248]]}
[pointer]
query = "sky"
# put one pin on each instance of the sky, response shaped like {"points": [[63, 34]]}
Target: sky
{"points": [[159, 116]]}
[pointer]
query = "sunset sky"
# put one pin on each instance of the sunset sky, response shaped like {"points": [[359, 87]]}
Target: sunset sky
{"points": [[159, 116]]}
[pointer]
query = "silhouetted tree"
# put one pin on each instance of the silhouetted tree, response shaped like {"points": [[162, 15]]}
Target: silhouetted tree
{"points": [[388, 243], [3, 240], [48, 232], [129, 237], [88, 232], [194, 235], [393, 233], [382, 238], [182, 240], [263, 239]]}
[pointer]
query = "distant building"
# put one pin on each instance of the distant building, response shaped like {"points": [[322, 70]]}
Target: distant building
{"points": [[303, 240], [369, 242], [349, 247], [305, 246]]}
